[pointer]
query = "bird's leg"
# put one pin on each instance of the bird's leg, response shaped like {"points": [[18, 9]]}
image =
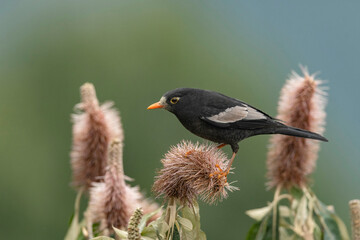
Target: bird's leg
{"points": [[221, 145], [230, 163]]}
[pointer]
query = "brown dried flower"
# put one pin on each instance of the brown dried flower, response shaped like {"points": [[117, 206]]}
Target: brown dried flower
{"points": [[292, 159], [112, 202], [93, 128], [186, 174]]}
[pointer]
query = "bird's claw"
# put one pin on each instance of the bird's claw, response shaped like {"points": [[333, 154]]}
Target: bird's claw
{"points": [[188, 152], [220, 173]]}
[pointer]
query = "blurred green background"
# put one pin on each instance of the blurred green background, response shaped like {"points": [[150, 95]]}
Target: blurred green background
{"points": [[134, 51]]}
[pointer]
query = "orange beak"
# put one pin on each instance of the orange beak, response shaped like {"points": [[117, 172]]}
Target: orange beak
{"points": [[156, 105]]}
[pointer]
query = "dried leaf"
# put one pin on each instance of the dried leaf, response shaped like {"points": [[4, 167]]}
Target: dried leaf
{"points": [[301, 215], [185, 223], [284, 211], [102, 238], [120, 233], [259, 213]]}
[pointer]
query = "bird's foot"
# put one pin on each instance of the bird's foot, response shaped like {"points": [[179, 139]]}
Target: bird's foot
{"points": [[220, 173]]}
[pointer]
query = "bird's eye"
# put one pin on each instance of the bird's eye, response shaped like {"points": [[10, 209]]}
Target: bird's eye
{"points": [[174, 100]]}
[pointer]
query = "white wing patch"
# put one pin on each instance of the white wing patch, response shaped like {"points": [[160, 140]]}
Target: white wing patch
{"points": [[237, 113], [253, 114]]}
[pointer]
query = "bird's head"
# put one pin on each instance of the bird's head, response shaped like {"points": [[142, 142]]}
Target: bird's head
{"points": [[175, 100]]}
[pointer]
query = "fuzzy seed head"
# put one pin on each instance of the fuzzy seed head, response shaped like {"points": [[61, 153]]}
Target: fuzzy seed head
{"points": [[108, 200], [93, 128], [292, 159], [186, 174], [113, 201]]}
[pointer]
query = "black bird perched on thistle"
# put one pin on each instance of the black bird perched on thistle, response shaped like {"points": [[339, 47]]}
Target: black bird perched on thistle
{"points": [[223, 119]]}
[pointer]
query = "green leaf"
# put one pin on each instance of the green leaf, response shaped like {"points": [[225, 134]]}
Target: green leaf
{"points": [[318, 233], [176, 234], [262, 229], [75, 227], [156, 229], [343, 230], [149, 232], [254, 229], [332, 232], [192, 215], [271, 225], [146, 217], [297, 193], [331, 228], [185, 223]]}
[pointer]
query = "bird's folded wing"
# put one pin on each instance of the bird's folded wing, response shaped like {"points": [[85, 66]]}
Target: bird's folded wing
{"points": [[243, 117]]}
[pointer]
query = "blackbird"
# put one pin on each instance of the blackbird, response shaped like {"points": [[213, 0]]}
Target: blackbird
{"points": [[222, 119]]}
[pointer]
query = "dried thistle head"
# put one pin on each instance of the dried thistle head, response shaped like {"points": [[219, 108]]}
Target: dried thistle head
{"points": [[93, 128], [292, 159], [112, 202], [186, 174]]}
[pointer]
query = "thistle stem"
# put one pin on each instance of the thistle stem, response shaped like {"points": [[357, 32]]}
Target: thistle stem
{"points": [[275, 202]]}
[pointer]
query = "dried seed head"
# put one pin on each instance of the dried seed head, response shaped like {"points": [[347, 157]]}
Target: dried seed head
{"points": [[112, 202], [186, 174], [108, 200], [292, 159], [355, 218], [93, 128]]}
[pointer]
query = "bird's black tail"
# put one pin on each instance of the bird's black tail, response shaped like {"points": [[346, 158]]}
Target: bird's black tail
{"points": [[297, 132]]}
